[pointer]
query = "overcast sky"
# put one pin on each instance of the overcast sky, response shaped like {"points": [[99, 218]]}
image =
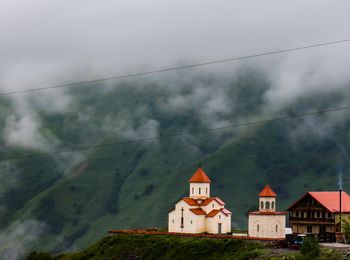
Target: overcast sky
{"points": [[45, 42]]}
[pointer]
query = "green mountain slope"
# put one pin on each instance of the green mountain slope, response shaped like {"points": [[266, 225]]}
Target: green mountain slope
{"points": [[80, 195]]}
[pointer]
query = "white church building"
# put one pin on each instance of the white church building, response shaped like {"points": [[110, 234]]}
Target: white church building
{"points": [[267, 222], [199, 212]]}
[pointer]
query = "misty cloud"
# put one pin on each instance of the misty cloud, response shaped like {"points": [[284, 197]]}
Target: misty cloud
{"points": [[25, 132], [19, 239]]}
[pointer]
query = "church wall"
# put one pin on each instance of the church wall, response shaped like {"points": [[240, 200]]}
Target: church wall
{"points": [[212, 205], [212, 223], [203, 188], [192, 223], [271, 201], [267, 226], [174, 217]]}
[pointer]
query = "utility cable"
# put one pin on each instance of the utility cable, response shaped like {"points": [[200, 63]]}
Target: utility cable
{"points": [[167, 69], [191, 132]]}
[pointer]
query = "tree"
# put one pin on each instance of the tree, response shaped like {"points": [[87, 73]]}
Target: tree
{"points": [[310, 249], [346, 228]]}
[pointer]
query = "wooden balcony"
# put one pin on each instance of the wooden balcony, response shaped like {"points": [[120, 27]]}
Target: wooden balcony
{"points": [[312, 220]]}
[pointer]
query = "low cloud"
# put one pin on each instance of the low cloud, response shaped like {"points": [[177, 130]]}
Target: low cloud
{"points": [[17, 241], [25, 132]]}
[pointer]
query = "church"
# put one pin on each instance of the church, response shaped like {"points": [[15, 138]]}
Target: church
{"points": [[199, 212], [267, 222]]}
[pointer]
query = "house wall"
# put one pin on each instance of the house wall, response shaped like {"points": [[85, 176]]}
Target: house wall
{"points": [[344, 216], [302, 228], [199, 190], [267, 226], [212, 223]]}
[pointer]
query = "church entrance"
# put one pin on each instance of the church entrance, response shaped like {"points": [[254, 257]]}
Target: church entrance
{"points": [[219, 228]]}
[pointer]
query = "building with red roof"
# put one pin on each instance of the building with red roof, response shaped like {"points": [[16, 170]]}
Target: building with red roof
{"points": [[199, 212], [319, 212], [267, 222]]}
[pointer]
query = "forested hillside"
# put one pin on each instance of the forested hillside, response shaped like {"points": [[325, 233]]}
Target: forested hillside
{"points": [[69, 199]]}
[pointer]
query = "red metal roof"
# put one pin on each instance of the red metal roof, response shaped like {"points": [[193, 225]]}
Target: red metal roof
{"points": [[213, 213], [198, 211], [226, 211], [267, 213], [208, 200], [329, 200], [200, 177], [191, 202], [267, 192], [216, 211]]}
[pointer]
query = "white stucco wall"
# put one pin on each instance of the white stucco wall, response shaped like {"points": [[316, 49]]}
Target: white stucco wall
{"points": [[270, 200], [199, 190], [267, 226], [192, 223], [212, 205], [197, 223], [212, 223]]}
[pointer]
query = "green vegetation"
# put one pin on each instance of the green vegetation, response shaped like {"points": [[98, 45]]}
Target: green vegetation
{"points": [[310, 249], [164, 247], [79, 196], [170, 247], [346, 228]]}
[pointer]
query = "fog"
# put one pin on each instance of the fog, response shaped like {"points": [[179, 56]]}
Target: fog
{"points": [[46, 43]]}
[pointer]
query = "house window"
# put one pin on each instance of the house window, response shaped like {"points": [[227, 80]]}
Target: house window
{"points": [[276, 228], [182, 217], [219, 216], [199, 190], [267, 205], [262, 205], [309, 229], [173, 221], [191, 221], [206, 190], [213, 205], [257, 227], [272, 204], [192, 190]]}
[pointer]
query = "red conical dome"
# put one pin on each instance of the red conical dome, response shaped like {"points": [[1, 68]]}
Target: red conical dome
{"points": [[267, 192], [200, 176]]}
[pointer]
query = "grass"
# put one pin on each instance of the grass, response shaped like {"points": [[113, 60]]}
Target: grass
{"points": [[167, 247], [153, 176]]}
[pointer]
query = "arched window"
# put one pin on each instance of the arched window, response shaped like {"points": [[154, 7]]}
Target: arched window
{"points": [[199, 190], [261, 205], [267, 205], [257, 227], [272, 204]]}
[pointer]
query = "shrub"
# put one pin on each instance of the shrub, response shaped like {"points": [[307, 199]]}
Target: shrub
{"points": [[310, 249]]}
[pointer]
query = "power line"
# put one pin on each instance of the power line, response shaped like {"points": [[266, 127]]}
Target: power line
{"points": [[194, 131], [156, 71]]}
